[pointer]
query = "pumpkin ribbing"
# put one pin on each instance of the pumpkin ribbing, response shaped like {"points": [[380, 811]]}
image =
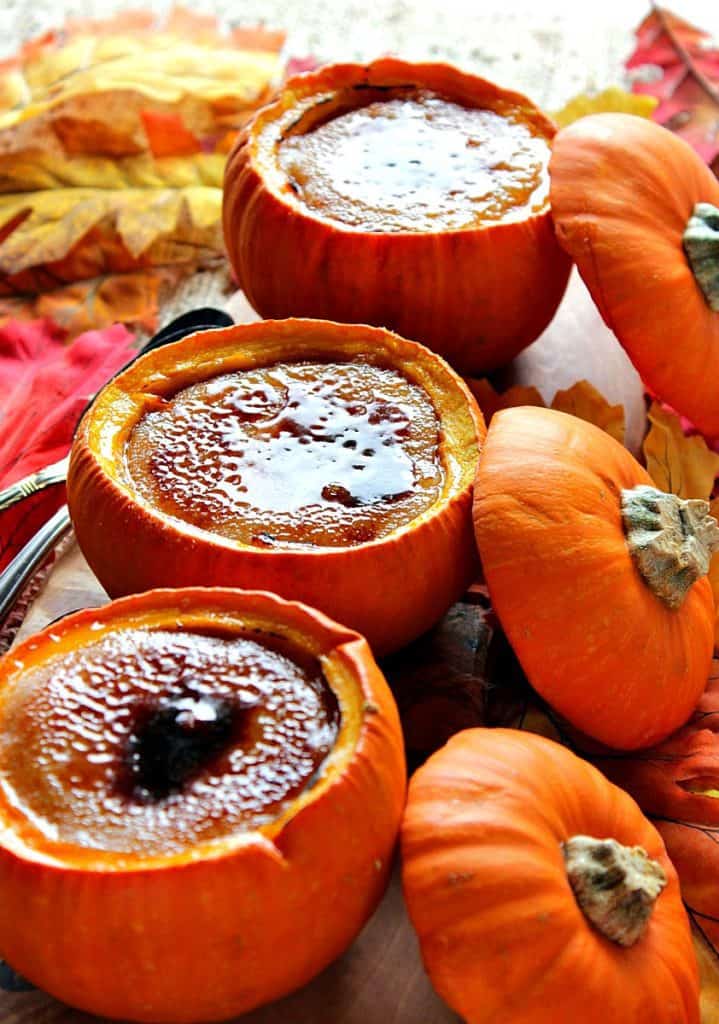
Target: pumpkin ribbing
{"points": [[616, 886], [671, 540], [701, 245]]}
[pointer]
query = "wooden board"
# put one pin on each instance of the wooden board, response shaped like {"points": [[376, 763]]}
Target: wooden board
{"points": [[440, 684]]}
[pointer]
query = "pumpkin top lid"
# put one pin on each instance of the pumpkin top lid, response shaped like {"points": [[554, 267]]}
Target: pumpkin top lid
{"points": [[294, 435], [598, 578], [176, 724], [638, 211], [465, 153]]}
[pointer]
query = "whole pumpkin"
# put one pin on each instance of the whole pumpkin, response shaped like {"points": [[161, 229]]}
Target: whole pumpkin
{"points": [[539, 892], [476, 295], [598, 578], [638, 211]]}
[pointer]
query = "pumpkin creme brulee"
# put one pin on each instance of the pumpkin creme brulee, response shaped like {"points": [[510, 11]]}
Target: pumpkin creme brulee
{"points": [[322, 454]]}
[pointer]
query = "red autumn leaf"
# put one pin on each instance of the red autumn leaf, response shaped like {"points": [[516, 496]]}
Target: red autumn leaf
{"points": [[677, 785], [687, 86], [44, 387]]}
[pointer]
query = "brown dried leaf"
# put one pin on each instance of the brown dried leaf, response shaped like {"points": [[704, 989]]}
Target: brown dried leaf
{"points": [[714, 577], [584, 401], [612, 100], [677, 463]]}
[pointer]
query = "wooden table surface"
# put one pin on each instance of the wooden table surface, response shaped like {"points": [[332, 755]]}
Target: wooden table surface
{"points": [[380, 979]]}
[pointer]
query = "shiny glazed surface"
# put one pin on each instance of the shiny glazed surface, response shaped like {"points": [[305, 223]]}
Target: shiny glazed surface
{"points": [[69, 726], [308, 454], [418, 163]]}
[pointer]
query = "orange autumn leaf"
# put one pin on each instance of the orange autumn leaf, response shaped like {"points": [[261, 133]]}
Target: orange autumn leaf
{"points": [[584, 401], [133, 299], [677, 463], [491, 401]]}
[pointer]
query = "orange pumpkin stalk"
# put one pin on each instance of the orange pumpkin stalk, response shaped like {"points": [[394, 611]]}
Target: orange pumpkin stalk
{"points": [[143, 874], [638, 211], [389, 247], [539, 892], [598, 578]]}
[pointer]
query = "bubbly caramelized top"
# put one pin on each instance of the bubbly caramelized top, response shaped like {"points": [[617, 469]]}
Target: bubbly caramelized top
{"points": [[419, 163], [309, 454], [151, 741]]}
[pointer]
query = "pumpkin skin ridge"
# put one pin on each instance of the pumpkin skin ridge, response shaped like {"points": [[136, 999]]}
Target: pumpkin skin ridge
{"points": [[86, 962], [592, 638], [334, 271], [528, 981], [434, 554], [601, 222]]}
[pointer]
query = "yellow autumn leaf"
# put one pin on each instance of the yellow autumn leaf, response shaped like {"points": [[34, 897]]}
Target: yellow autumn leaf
{"points": [[43, 171], [85, 89], [612, 100], [157, 226], [677, 463], [584, 401]]}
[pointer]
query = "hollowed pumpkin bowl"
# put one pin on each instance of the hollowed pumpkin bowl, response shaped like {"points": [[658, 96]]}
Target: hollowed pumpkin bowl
{"points": [[475, 288], [350, 450], [216, 893]]}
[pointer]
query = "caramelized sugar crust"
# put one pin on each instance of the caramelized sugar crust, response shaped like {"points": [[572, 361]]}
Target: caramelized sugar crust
{"points": [[72, 727], [419, 163], [294, 454]]}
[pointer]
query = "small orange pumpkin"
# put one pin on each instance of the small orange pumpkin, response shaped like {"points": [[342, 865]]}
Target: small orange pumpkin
{"points": [[638, 211], [389, 587], [598, 578], [539, 892], [477, 294], [179, 917]]}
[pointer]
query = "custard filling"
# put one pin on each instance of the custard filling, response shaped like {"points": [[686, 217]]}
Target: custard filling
{"points": [[418, 162], [295, 454], [152, 741]]}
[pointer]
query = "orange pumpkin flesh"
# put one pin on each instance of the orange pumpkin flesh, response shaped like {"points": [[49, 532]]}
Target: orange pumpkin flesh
{"points": [[502, 935], [171, 924], [596, 642], [623, 191], [392, 584], [317, 225]]}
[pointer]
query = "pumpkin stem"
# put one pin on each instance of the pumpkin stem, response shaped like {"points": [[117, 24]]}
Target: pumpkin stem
{"points": [[671, 539], [701, 245], [616, 886]]}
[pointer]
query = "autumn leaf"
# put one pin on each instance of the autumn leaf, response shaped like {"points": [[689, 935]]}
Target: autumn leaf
{"points": [[676, 462], [584, 401], [75, 233], [491, 401], [612, 100], [581, 399], [133, 299], [113, 140], [131, 83], [44, 387], [679, 65], [714, 575]]}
